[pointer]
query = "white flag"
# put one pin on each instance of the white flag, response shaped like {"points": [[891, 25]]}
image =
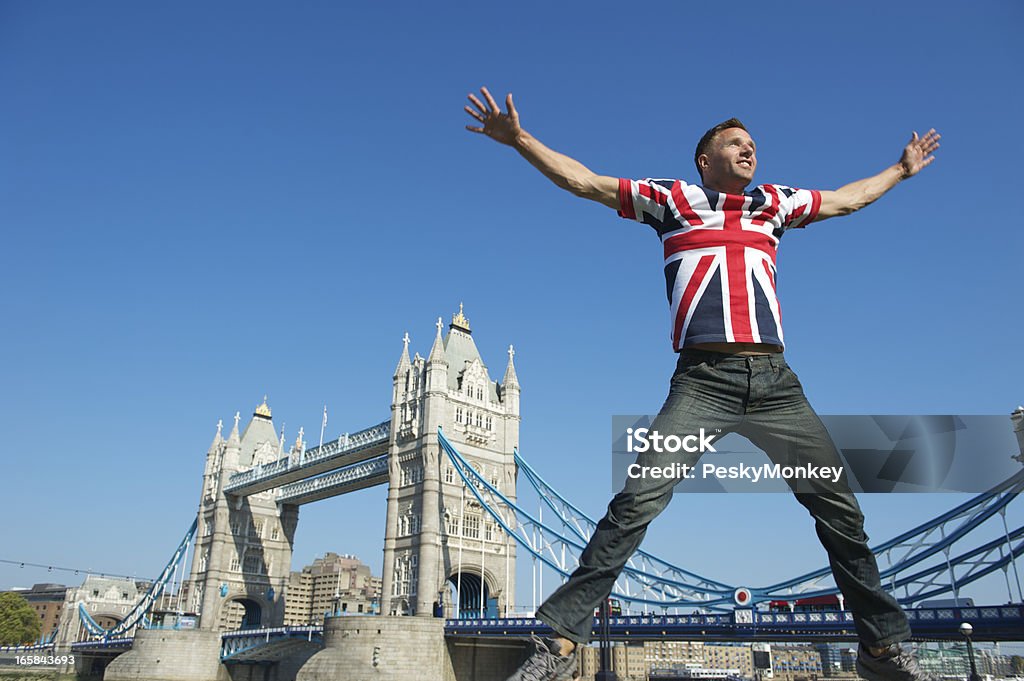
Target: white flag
{"points": [[325, 416]]}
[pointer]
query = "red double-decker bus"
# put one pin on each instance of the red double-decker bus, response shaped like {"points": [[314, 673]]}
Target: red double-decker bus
{"points": [[813, 604]]}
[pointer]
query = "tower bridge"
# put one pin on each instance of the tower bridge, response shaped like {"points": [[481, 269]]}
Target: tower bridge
{"points": [[253, 488], [449, 455]]}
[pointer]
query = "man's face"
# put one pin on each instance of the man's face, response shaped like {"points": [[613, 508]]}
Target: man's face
{"points": [[731, 160]]}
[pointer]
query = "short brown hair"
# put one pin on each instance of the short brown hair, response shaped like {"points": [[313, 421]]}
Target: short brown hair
{"points": [[705, 141]]}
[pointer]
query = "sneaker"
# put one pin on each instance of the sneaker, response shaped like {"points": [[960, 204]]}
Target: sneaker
{"points": [[546, 663], [895, 664]]}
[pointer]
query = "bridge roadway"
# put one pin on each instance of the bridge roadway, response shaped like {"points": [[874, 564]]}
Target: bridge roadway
{"points": [[991, 623], [346, 451], [997, 623]]}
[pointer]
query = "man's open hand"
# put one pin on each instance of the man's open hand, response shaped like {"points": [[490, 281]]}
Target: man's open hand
{"points": [[917, 153], [501, 127]]}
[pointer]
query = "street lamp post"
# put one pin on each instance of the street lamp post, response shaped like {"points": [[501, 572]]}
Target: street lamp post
{"points": [[966, 629]]}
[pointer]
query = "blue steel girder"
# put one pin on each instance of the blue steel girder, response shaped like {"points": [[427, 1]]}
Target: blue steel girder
{"points": [[114, 646], [652, 581], [256, 646], [139, 610], [973, 565], [345, 451], [581, 525], [361, 475], [665, 586], [914, 546]]}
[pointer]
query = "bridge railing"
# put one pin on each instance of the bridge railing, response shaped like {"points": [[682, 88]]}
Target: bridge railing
{"points": [[345, 444], [350, 474], [369, 436]]}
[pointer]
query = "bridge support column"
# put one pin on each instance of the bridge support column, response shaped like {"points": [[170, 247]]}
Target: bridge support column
{"points": [[170, 655], [381, 648]]}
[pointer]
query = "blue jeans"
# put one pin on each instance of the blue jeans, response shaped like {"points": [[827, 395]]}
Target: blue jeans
{"points": [[760, 398]]}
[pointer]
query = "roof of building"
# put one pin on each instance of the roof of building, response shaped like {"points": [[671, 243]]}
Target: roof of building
{"points": [[460, 351], [259, 431]]}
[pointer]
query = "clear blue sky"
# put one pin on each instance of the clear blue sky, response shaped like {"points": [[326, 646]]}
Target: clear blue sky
{"points": [[204, 203]]}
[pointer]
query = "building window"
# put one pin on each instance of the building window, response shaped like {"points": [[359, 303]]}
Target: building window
{"points": [[257, 529], [449, 474], [471, 526], [254, 563], [405, 576], [479, 393], [479, 420], [236, 528], [412, 475], [451, 524], [235, 565], [275, 532]]}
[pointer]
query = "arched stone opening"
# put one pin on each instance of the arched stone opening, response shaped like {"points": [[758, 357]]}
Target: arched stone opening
{"points": [[476, 599], [241, 613]]}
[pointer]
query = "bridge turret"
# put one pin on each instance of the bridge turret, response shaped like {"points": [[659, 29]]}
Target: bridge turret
{"points": [[426, 524], [1018, 427], [437, 364], [218, 438], [214, 452], [510, 385], [232, 451], [244, 541], [402, 382]]}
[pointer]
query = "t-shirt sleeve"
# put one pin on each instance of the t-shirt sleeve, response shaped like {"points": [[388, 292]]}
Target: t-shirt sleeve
{"points": [[645, 200], [797, 207]]}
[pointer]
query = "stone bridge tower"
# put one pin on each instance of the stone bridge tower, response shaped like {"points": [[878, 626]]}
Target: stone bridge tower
{"points": [[243, 546], [440, 548]]}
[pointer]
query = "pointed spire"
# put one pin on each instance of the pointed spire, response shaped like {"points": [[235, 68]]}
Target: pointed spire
{"points": [[510, 371], [218, 438], [437, 350], [403, 361], [233, 438]]}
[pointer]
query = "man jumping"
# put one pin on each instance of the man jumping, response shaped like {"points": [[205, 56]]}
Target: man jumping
{"points": [[719, 243]]}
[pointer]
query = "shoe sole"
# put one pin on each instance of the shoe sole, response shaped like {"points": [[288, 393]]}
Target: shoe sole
{"points": [[869, 674]]}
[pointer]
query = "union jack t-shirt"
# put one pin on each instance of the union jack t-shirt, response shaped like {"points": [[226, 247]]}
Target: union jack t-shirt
{"points": [[719, 254]]}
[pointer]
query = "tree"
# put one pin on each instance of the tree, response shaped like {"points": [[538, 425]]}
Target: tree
{"points": [[1018, 664], [18, 621]]}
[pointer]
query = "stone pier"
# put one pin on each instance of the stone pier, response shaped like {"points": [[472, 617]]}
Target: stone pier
{"points": [[375, 648], [170, 655]]}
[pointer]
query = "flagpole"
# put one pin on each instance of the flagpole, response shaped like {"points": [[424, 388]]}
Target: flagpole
{"points": [[323, 425]]}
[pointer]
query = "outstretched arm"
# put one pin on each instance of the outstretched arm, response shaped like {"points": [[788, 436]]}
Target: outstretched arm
{"points": [[856, 195], [567, 173]]}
